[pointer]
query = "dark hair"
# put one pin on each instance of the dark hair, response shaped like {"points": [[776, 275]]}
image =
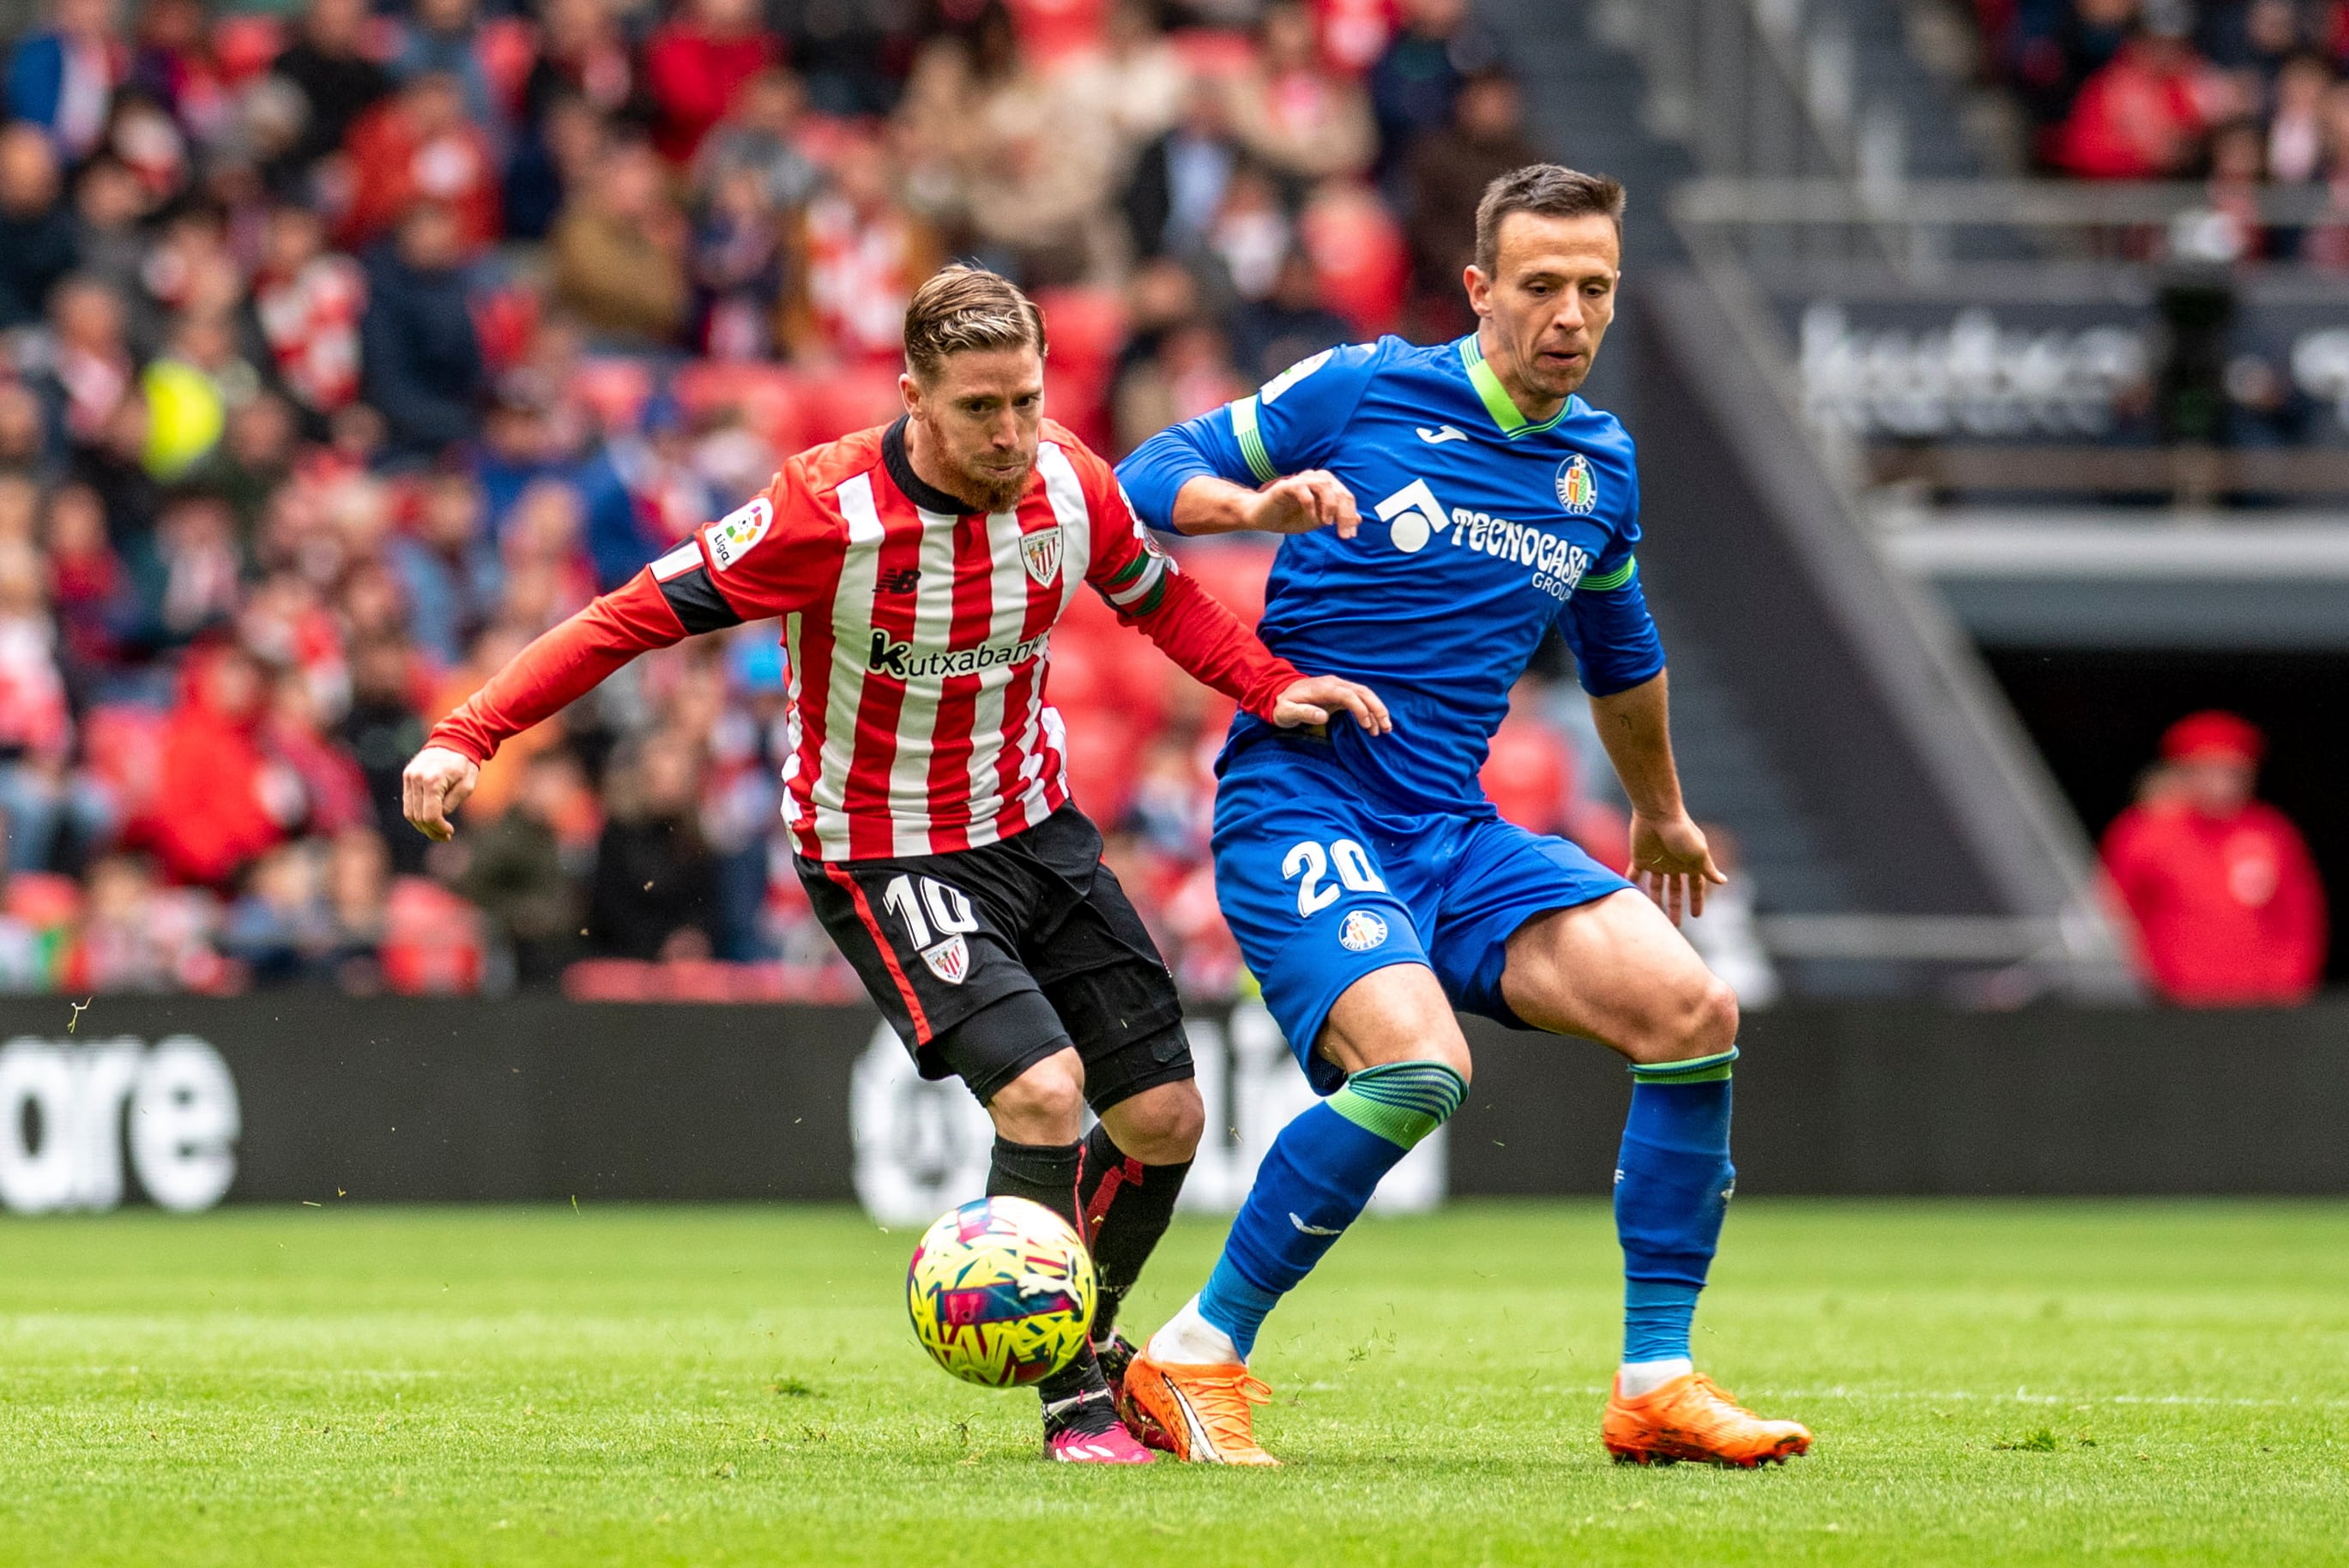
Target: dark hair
{"points": [[1546, 190], [965, 308]]}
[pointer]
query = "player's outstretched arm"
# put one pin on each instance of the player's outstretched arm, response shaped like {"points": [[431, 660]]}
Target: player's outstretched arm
{"points": [[1298, 503], [562, 667], [1670, 858]]}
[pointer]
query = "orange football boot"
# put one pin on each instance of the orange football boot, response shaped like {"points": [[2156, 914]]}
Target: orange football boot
{"points": [[1199, 1413], [1690, 1419]]}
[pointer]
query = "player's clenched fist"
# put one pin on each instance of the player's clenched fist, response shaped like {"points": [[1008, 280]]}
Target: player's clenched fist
{"points": [[1303, 502], [1317, 698], [435, 783]]}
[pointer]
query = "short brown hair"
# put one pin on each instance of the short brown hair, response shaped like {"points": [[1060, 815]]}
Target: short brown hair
{"points": [[1546, 190], [965, 308]]}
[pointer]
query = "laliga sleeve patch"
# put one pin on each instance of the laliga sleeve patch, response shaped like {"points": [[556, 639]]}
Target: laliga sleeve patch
{"points": [[732, 536]]}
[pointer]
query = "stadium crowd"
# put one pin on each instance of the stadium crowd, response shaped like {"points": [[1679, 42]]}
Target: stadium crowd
{"points": [[2240, 92], [343, 352]]}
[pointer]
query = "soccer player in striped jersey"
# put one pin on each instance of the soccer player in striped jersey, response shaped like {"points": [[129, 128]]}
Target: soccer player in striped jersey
{"points": [[920, 569]]}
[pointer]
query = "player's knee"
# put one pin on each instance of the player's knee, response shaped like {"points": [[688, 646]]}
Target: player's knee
{"points": [[1403, 1102], [1160, 1126], [1044, 1104], [1699, 1019]]}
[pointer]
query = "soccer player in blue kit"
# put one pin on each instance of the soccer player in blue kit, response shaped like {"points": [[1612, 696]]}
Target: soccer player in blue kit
{"points": [[1446, 505]]}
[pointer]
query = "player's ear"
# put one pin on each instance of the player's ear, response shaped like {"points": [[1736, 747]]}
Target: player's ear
{"points": [[1480, 289], [909, 391]]}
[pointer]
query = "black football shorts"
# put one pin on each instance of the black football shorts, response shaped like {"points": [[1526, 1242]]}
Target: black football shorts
{"points": [[989, 960]]}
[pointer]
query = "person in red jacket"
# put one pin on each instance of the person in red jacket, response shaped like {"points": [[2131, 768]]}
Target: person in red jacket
{"points": [[696, 63], [2227, 906], [2143, 115], [220, 798]]}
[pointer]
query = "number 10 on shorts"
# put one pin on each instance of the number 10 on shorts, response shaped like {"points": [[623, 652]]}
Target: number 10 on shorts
{"points": [[1308, 857], [948, 956]]}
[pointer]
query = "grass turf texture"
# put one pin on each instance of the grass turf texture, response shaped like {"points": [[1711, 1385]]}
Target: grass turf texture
{"points": [[1990, 1383]]}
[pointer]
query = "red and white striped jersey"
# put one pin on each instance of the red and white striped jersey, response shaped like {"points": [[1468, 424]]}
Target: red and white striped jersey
{"points": [[918, 637]]}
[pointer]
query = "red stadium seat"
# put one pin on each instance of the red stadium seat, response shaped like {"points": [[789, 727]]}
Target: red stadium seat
{"points": [[1233, 575], [1358, 254], [433, 941], [770, 399], [1051, 29], [852, 397], [44, 899], [1086, 327]]}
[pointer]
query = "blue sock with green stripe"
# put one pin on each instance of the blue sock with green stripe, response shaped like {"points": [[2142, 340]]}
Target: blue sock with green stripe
{"points": [[1672, 1182], [1314, 1179]]}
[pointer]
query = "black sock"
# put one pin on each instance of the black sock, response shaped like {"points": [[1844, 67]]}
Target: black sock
{"points": [[1046, 1173], [1127, 1206]]}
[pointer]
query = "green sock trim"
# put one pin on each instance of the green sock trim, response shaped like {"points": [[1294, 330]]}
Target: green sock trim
{"points": [[1401, 1102], [1696, 1069]]}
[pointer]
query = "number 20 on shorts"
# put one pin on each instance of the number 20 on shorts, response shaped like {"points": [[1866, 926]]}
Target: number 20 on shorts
{"points": [[1353, 865]]}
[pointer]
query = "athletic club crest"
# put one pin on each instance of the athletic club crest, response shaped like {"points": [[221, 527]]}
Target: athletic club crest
{"points": [[1040, 553], [1362, 932], [949, 960], [1578, 487]]}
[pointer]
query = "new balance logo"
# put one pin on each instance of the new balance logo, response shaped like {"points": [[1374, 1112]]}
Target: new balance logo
{"points": [[1440, 434], [902, 580], [1314, 1230]]}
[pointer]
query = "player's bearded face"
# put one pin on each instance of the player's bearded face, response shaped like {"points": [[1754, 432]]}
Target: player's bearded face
{"points": [[981, 418], [1550, 299]]}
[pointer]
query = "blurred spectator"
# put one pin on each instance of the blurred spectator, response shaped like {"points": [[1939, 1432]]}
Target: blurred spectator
{"points": [[1293, 112], [1133, 84], [2227, 904], [1191, 374], [1178, 181], [448, 567], [381, 731], [358, 876], [220, 802], [2055, 55], [2296, 128], [109, 204], [87, 581], [619, 251], [89, 371], [443, 38], [1447, 176], [339, 82], [138, 936], [1414, 82], [861, 254], [584, 55], [1251, 232], [421, 363], [1725, 936], [694, 65], [999, 151], [521, 868], [737, 270], [171, 60], [654, 893], [1272, 334], [419, 148], [335, 794], [279, 928], [762, 136], [36, 234], [2142, 116], [62, 77], [308, 302], [39, 798], [560, 156]]}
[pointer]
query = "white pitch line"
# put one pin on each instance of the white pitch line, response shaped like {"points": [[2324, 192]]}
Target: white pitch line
{"points": [[2020, 1396]]}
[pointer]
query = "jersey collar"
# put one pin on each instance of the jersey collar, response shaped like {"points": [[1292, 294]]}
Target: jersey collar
{"points": [[913, 486], [1496, 397]]}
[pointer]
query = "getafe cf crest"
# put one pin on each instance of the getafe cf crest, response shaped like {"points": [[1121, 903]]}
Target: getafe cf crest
{"points": [[1362, 932], [949, 960], [1578, 487], [1040, 553]]}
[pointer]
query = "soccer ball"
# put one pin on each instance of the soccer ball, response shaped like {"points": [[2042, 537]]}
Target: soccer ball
{"points": [[1000, 1292]]}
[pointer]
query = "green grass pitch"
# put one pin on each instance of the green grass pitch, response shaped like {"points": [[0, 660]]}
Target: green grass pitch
{"points": [[1990, 1384]]}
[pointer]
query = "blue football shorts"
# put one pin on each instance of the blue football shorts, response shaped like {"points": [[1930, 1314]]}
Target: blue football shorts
{"points": [[1322, 888]]}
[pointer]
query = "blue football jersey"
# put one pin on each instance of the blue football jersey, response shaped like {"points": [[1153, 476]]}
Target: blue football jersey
{"points": [[1479, 530]]}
